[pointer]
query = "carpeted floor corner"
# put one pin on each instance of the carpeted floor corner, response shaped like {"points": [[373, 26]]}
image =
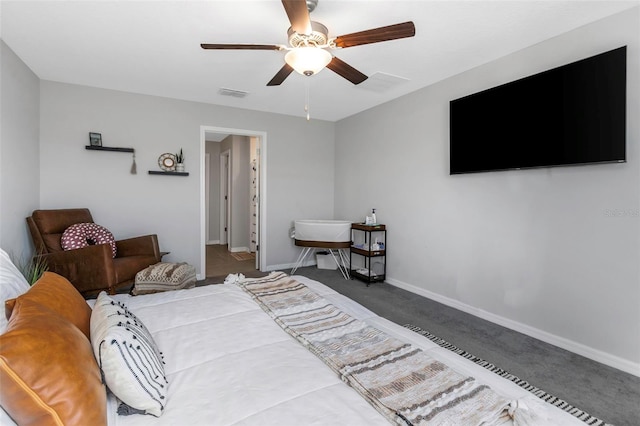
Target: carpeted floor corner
{"points": [[580, 414]]}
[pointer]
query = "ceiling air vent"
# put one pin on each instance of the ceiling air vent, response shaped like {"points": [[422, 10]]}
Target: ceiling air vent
{"points": [[233, 93], [381, 82]]}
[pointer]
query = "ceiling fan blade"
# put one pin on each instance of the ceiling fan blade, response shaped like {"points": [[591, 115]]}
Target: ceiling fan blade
{"points": [[281, 75], [345, 70], [376, 35], [242, 46], [298, 15]]}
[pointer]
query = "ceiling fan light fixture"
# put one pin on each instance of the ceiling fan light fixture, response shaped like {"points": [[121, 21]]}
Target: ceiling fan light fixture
{"points": [[308, 60]]}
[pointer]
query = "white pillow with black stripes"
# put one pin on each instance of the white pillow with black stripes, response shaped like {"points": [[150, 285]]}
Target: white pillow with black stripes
{"points": [[131, 364]]}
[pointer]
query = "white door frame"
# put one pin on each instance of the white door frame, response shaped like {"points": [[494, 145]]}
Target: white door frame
{"points": [[262, 240]]}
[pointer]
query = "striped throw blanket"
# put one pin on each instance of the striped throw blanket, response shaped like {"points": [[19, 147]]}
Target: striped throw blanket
{"points": [[398, 379]]}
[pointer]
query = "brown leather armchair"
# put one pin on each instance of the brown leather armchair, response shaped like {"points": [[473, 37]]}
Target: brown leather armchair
{"points": [[90, 269]]}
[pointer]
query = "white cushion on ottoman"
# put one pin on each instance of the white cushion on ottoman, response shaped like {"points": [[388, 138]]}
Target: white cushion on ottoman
{"points": [[164, 276]]}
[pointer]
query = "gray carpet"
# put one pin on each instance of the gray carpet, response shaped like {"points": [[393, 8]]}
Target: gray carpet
{"points": [[602, 391]]}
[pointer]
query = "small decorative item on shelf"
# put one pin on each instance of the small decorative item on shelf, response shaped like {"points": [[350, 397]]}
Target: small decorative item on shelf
{"points": [[95, 139], [167, 162], [180, 161], [171, 165]]}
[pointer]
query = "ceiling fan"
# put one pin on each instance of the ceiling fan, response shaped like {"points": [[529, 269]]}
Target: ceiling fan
{"points": [[310, 44]]}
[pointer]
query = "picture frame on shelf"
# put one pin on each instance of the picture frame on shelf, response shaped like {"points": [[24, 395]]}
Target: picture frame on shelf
{"points": [[95, 139]]}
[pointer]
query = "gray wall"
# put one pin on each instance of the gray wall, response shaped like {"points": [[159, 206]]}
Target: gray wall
{"points": [[131, 205], [19, 152], [535, 250]]}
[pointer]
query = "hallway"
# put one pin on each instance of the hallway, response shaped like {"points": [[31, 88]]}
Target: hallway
{"points": [[221, 262]]}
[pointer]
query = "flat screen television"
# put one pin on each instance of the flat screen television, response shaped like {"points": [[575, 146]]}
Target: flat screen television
{"points": [[573, 114]]}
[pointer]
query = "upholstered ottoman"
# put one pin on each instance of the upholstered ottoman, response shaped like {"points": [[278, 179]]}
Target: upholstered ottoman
{"points": [[164, 276]]}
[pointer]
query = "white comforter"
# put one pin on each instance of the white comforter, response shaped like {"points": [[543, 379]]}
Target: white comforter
{"points": [[228, 363]]}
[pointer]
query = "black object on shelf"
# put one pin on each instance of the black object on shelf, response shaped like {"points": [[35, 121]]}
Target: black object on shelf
{"points": [[107, 148], [155, 172], [369, 253]]}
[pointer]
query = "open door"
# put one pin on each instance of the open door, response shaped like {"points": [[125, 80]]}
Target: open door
{"points": [[254, 216], [225, 181]]}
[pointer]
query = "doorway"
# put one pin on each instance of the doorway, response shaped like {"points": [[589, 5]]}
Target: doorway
{"points": [[222, 179]]}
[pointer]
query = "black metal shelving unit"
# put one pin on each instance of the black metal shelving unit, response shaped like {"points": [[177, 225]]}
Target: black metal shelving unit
{"points": [[368, 252]]}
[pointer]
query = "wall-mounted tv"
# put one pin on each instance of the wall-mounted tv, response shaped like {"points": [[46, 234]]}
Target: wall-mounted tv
{"points": [[573, 114]]}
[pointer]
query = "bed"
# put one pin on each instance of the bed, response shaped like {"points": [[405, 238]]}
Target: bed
{"points": [[229, 360]]}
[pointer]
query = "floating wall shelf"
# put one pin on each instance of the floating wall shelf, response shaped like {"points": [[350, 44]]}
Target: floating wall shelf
{"points": [[106, 148], [154, 172]]}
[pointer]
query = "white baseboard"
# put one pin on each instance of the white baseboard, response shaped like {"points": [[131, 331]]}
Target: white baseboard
{"points": [[239, 249], [561, 342], [286, 267], [212, 242]]}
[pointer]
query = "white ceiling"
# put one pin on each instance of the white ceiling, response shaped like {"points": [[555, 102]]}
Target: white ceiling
{"points": [[153, 47]]}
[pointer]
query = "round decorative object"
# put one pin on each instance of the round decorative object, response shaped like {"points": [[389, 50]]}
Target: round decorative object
{"points": [[82, 235], [167, 162]]}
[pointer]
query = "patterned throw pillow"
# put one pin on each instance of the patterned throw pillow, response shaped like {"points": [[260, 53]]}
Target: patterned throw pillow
{"points": [[128, 357], [82, 235]]}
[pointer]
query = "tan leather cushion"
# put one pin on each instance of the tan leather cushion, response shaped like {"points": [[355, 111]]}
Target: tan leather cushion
{"points": [[58, 294], [48, 372]]}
